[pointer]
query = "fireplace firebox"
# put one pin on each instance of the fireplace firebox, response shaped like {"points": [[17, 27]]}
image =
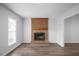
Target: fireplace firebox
{"points": [[39, 36]]}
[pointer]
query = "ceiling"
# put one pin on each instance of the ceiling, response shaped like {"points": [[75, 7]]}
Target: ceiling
{"points": [[40, 9]]}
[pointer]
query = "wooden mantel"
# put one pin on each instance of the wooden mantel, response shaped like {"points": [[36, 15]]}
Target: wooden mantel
{"points": [[39, 28]]}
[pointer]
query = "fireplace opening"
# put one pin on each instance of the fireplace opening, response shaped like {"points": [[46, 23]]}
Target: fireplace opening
{"points": [[39, 36]]}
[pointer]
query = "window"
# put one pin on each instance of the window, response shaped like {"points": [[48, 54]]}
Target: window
{"points": [[11, 31]]}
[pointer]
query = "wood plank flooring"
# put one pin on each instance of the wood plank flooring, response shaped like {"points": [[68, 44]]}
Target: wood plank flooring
{"points": [[50, 50]]}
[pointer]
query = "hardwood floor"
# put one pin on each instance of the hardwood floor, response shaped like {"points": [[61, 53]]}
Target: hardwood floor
{"points": [[50, 50]]}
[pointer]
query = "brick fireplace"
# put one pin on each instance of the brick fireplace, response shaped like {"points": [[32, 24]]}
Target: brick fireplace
{"points": [[39, 30]]}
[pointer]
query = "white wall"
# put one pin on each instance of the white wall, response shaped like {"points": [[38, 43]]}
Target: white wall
{"points": [[4, 14], [27, 30], [60, 32], [71, 34], [60, 24], [51, 30]]}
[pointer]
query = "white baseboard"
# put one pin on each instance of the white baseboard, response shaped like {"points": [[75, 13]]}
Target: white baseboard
{"points": [[12, 49], [52, 42], [60, 44], [26, 42]]}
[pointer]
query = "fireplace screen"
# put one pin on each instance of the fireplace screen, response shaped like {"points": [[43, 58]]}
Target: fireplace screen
{"points": [[39, 36]]}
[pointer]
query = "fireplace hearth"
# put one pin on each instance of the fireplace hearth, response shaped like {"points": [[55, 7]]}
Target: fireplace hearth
{"points": [[39, 36]]}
